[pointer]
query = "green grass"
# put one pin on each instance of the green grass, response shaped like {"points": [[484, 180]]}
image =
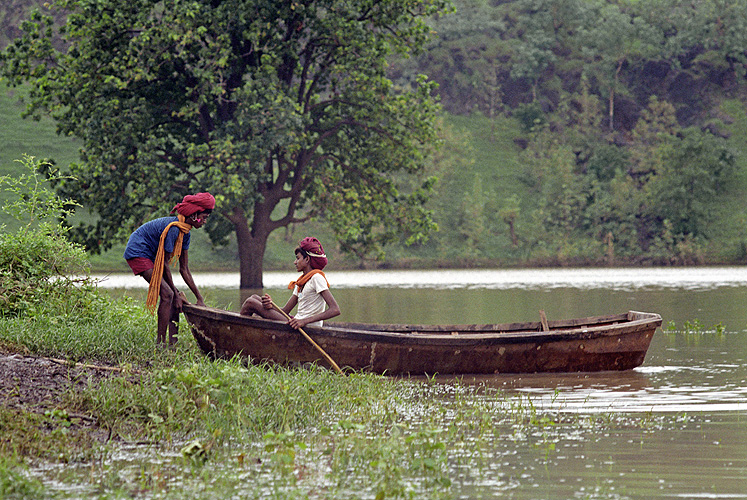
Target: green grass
{"points": [[121, 334], [496, 158], [26, 136]]}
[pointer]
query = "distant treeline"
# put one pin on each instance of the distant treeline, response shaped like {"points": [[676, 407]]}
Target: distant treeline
{"points": [[498, 56]]}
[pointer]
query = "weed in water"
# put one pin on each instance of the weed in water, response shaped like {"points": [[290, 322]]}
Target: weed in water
{"points": [[693, 331], [15, 483]]}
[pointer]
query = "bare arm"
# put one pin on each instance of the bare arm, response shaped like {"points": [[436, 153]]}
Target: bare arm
{"points": [[187, 276], [292, 301], [332, 310]]}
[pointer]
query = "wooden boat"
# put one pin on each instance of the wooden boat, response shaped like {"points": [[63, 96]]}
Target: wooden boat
{"points": [[613, 342]]}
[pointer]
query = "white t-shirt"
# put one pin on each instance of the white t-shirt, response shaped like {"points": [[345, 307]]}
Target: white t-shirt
{"points": [[310, 300]]}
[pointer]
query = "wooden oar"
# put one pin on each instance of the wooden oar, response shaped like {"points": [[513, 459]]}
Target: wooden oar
{"points": [[306, 336]]}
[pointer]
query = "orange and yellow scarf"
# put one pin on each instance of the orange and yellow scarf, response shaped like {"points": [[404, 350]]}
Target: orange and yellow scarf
{"points": [[300, 282], [155, 281]]}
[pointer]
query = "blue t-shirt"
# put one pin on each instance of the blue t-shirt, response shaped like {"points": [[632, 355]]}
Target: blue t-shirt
{"points": [[144, 241]]}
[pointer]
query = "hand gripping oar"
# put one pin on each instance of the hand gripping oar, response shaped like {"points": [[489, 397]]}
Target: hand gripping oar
{"points": [[306, 336]]}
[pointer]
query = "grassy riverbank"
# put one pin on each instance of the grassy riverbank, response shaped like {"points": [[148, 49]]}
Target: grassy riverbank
{"points": [[207, 429]]}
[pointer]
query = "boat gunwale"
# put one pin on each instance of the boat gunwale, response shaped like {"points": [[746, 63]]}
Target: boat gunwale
{"points": [[590, 327]]}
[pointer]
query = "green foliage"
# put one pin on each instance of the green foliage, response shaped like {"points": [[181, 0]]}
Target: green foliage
{"points": [[530, 50], [697, 168], [535, 49], [85, 324], [38, 265], [465, 49], [694, 332], [47, 299], [228, 400], [606, 80], [633, 207], [654, 200], [530, 116]]}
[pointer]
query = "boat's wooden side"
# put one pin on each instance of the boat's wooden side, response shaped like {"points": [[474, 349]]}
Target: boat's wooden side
{"points": [[616, 342]]}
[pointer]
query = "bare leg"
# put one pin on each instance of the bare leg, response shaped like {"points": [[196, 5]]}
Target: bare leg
{"points": [[166, 312], [173, 319], [253, 305]]}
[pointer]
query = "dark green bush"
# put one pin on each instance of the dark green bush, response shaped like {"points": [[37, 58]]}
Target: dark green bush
{"points": [[530, 116]]}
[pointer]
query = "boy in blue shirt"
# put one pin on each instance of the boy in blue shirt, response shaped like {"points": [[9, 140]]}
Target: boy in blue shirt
{"points": [[153, 245]]}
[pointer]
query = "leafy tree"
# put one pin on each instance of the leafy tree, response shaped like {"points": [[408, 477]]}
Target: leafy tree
{"points": [[611, 38], [664, 200], [560, 191], [282, 109], [468, 51], [508, 213], [530, 116], [711, 32], [536, 42], [697, 169], [657, 125]]}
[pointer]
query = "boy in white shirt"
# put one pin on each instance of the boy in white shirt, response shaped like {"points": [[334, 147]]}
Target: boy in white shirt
{"points": [[310, 292]]}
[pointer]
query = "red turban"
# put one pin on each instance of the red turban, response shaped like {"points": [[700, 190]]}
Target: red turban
{"points": [[194, 203], [312, 246]]}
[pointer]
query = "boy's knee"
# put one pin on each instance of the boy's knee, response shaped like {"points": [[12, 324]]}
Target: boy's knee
{"points": [[167, 295], [250, 305], [246, 307]]}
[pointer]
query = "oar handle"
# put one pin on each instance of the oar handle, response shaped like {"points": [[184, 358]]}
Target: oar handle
{"points": [[306, 336]]}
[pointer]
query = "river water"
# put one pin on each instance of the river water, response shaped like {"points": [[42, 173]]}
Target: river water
{"points": [[681, 418]]}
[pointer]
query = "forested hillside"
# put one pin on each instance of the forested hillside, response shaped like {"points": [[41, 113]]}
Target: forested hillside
{"points": [[583, 131], [632, 116]]}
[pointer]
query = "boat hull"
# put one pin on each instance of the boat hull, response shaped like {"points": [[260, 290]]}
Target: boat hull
{"points": [[615, 342]]}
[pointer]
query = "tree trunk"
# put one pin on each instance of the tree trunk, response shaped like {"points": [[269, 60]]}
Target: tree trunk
{"points": [[251, 246], [610, 240], [612, 94]]}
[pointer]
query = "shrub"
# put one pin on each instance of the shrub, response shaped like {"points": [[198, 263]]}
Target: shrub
{"points": [[38, 265]]}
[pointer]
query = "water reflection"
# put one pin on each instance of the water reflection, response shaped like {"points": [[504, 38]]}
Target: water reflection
{"points": [[562, 382], [643, 390]]}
